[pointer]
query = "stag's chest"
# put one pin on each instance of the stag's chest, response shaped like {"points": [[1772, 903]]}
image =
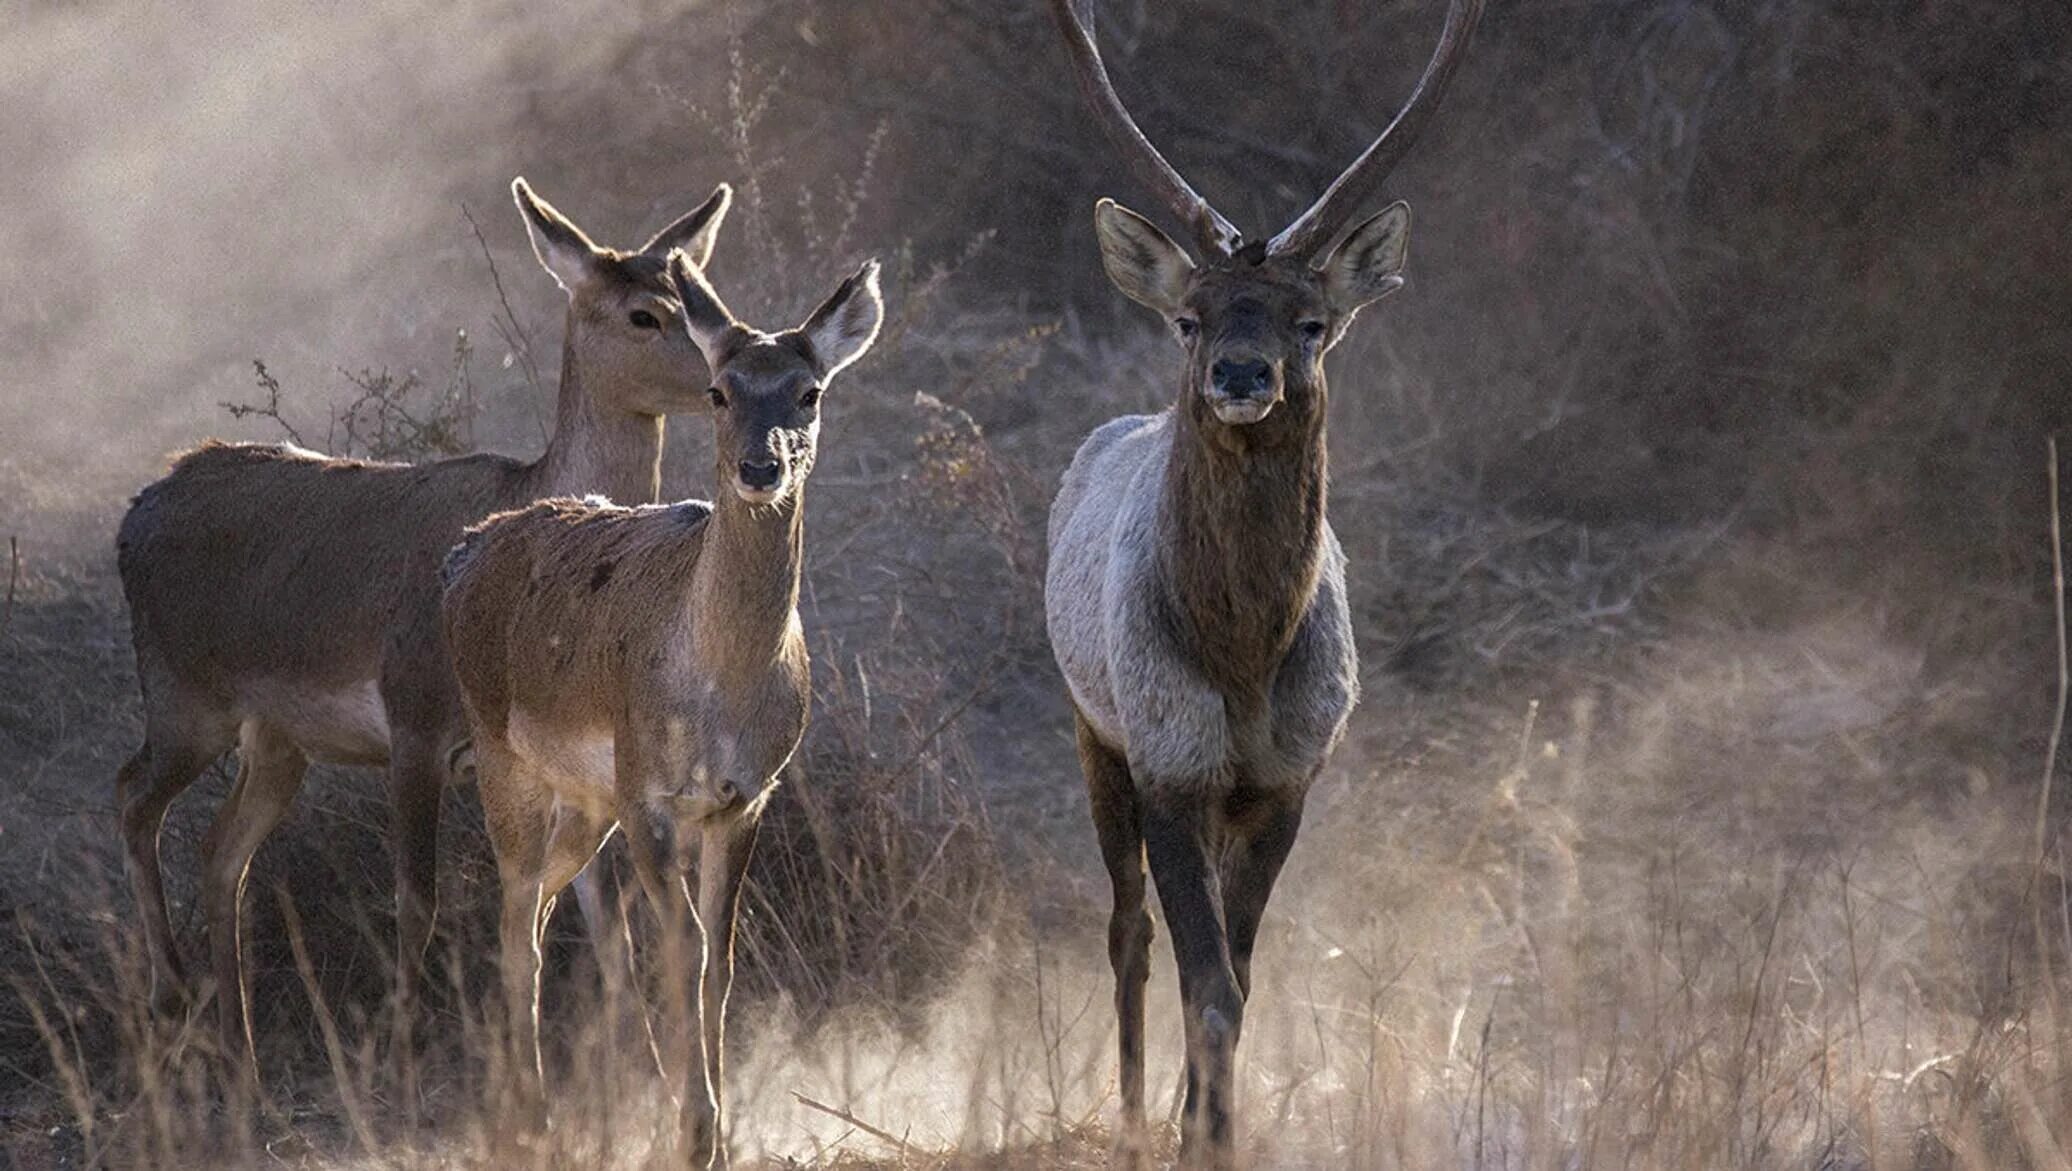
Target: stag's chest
{"points": [[1183, 717]]}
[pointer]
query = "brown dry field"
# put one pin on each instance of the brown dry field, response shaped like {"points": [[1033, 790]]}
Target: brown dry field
{"points": [[1701, 811]]}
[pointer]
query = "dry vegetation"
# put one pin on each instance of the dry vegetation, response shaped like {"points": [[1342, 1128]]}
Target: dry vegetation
{"points": [[1699, 812]]}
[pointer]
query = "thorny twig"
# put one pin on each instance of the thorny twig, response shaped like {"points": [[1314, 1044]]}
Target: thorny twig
{"points": [[272, 409]]}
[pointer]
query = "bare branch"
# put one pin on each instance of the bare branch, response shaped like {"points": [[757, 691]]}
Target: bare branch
{"points": [[272, 409], [514, 334], [841, 1115]]}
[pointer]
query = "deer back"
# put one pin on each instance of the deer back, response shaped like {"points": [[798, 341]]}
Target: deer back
{"points": [[548, 607], [250, 563]]}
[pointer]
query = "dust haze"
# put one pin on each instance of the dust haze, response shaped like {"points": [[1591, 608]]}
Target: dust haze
{"points": [[1694, 490], [189, 190]]}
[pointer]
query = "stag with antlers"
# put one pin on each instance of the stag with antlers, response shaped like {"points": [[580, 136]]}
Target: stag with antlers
{"points": [[1196, 595]]}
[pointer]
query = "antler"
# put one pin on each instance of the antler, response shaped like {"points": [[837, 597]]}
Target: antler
{"points": [[1216, 234], [1315, 227]]}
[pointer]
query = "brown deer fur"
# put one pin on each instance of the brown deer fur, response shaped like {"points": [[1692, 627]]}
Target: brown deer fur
{"points": [[287, 603], [645, 668]]}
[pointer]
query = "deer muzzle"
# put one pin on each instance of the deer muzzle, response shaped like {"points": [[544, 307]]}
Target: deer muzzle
{"points": [[1243, 388], [759, 481]]}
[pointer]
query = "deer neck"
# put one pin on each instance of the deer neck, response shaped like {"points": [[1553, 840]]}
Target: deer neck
{"points": [[745, 588], [1243, 534], [596, 448]]}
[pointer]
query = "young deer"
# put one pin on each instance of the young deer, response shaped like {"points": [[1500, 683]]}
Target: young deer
{"points": [[289, 604], [645, 668], [1196, 594]]}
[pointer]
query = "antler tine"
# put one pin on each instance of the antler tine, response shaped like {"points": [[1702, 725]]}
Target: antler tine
{"points": [[1315, 227], [1215, 234]]}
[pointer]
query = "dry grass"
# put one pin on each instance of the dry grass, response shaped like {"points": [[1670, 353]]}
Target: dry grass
{"points": [[1611, 886]]}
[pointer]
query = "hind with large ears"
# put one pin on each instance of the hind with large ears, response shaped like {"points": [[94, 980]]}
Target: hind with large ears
{"points": [[676, 633], [567, 253], [637, 364], [766, 387], [837, 333]]}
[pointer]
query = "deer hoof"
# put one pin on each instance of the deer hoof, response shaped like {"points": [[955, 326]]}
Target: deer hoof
{"points": [[1132, 1150]]}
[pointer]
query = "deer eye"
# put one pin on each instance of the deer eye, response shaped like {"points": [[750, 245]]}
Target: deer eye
{"points": [[1313, 330], [642, 319], [718, 396], [1187, 326], [812, 395]]}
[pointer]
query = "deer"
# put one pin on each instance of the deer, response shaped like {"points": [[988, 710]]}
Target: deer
{"points": [[287, 604], [645, 669], [1195, 596]]}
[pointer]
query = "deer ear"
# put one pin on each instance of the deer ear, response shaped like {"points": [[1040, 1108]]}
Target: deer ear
{"points": [[845, 325], [705, 316], [695, 232], [562, 247], [1142, 261], [1369, 264]]}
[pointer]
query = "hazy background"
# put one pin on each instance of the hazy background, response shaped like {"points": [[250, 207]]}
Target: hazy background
{"points": [[1694, 489]]}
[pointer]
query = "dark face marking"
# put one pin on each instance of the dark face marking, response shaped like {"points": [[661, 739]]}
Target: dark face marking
{"points": [[767, 418], [1255, 333]]}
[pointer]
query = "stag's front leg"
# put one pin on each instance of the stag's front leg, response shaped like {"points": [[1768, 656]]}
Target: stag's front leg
{"points": [[1113, 798], [1262, 831], [727, 841], [1177, 846]]}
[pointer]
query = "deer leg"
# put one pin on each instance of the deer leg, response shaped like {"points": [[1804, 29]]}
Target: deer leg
{"points": [[659, 841], [603, 926], [601, 896], [159, 771], [572, 843], [684, 950], [1265, 834], [1176, 844], [516, 815], [417, 778], [608, 920], [726, 845], [519, 941], [651, 843], [270, 772], [1113, 799]]}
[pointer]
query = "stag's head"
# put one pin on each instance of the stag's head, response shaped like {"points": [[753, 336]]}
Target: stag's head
{"points": [[766, 387], [1256, 319], [625, 318]]}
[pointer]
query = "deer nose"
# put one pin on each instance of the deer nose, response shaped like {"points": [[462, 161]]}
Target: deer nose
{"points": [[759, 473], [1240, 377]]}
